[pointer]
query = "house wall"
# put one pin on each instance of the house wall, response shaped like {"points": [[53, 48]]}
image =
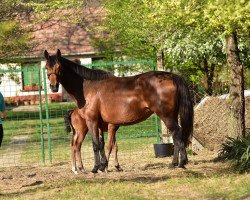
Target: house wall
{"points": [[8, 87], [13, 90]]}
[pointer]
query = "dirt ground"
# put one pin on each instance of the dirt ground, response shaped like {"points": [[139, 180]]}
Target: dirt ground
{"points": [[20, 179]]}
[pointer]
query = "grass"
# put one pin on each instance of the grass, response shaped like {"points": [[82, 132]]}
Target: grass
{"points": [[25, 122], [221, 186]]}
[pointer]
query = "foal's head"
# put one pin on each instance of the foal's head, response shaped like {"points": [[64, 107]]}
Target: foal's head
{"points": [[54, 69]]}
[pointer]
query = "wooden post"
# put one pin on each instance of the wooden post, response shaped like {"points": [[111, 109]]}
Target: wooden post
{"points": [[165, 133]]}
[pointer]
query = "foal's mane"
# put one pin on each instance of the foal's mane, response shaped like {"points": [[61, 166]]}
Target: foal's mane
{"points": [[86, 73]]}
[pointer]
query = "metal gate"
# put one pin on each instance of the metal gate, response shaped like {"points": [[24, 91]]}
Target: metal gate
{"points": [[34, 130]]}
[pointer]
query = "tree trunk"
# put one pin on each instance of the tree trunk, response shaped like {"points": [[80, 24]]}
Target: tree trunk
{"points": [[236, 91], [209, 76]]}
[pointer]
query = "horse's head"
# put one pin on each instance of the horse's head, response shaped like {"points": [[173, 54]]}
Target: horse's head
{"points": [[54, 69]]}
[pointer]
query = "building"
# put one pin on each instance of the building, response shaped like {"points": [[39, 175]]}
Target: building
{"points": [[74, 41]]}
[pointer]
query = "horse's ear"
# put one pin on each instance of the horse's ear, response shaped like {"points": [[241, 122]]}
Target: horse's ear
{"points": [[46, 55], [58, 54]]}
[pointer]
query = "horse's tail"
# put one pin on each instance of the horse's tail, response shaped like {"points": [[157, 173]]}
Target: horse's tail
{"points": [[186, 110], [67, 121]]}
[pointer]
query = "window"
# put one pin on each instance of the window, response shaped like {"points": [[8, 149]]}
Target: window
{"points": [[30, 76]]}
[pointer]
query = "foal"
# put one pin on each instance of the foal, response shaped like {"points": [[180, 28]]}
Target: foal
{"points": [[74, 121]]}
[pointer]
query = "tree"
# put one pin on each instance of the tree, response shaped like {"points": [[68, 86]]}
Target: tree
{"points": [[232, 20], [13, 40], [188, 31], [13, 37], [150, 30]]}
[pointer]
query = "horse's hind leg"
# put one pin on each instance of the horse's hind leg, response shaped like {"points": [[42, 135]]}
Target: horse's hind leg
{"points": [[112, 144], [179, 147], [115, 147], [172, 124], [183, 152]]}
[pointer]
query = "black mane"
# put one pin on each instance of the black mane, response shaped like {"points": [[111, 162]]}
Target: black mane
{"points": [[84, 72]]}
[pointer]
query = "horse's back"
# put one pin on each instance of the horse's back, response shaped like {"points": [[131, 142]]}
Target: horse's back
{"points": [[128, 100]]}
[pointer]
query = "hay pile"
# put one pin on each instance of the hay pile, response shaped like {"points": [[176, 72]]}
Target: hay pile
{"points": [[211, 121]]}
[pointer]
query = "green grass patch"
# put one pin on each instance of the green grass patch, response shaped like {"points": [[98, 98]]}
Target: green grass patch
{"points": [[191, 188]]}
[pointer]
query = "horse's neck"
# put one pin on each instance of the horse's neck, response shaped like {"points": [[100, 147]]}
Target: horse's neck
{"points": [[73, 84]]}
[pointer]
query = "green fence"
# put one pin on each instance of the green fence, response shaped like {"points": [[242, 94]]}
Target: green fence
{"points": [[34, 131]]}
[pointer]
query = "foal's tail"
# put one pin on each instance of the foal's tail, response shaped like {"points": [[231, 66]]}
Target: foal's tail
{"points": [[186, 110], [67, 121]]}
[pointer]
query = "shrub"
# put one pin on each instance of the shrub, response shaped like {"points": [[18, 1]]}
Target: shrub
{"points": [[236, 150]]}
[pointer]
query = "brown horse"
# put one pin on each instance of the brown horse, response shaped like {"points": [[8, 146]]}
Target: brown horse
{"points": [[73, 84], [74, 121], [129, 100]]}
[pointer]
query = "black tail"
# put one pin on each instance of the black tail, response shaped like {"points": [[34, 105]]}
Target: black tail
{"points": [[67, 121], [186, 109]]}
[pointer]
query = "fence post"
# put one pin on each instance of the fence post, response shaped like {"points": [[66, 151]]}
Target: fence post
{"points": [[157, 127], [47, 115], [41, 115]]}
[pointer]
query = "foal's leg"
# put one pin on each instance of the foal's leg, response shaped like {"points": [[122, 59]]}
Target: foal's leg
{"points": [[80, 139], [73, 151]]}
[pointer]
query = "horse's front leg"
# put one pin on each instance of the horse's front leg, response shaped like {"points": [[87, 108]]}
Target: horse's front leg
{"points": [[104, 162], [93, 128]]}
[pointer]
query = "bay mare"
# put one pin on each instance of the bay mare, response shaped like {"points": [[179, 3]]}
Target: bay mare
{"points": [[127, 100], [74, 87], [73, 121]]}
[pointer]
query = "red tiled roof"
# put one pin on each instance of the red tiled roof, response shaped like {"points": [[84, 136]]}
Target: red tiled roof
{"points": [[70, 38]]}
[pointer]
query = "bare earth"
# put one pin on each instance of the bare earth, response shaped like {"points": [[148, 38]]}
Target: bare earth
{"points": [[20, 179]]}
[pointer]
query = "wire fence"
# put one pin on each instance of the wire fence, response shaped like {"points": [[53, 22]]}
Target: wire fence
{"points": [[34, 130]]}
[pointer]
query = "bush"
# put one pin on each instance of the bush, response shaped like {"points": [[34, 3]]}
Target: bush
{"points": [[236, 150]]}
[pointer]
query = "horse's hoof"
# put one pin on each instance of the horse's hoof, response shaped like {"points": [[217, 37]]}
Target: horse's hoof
{"points": [[75, 172], [118, 168], [182, 165], [82, 170], [95, 169], [102, 171], [172, 165], [103, 167]]}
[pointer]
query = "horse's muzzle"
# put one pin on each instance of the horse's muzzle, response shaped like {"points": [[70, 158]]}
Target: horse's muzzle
{"points": [[54, 88]]}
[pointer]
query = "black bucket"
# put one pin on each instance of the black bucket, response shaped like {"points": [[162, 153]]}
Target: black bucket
{"points": [[163, 150]]}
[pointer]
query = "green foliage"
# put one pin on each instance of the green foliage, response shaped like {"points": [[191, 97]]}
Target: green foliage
{"points": [[228, 16], [237, 150], [187, 31], [13, 40]]}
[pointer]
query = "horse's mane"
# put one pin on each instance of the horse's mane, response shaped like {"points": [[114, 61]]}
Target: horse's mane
{"points": [[86, 73]]}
